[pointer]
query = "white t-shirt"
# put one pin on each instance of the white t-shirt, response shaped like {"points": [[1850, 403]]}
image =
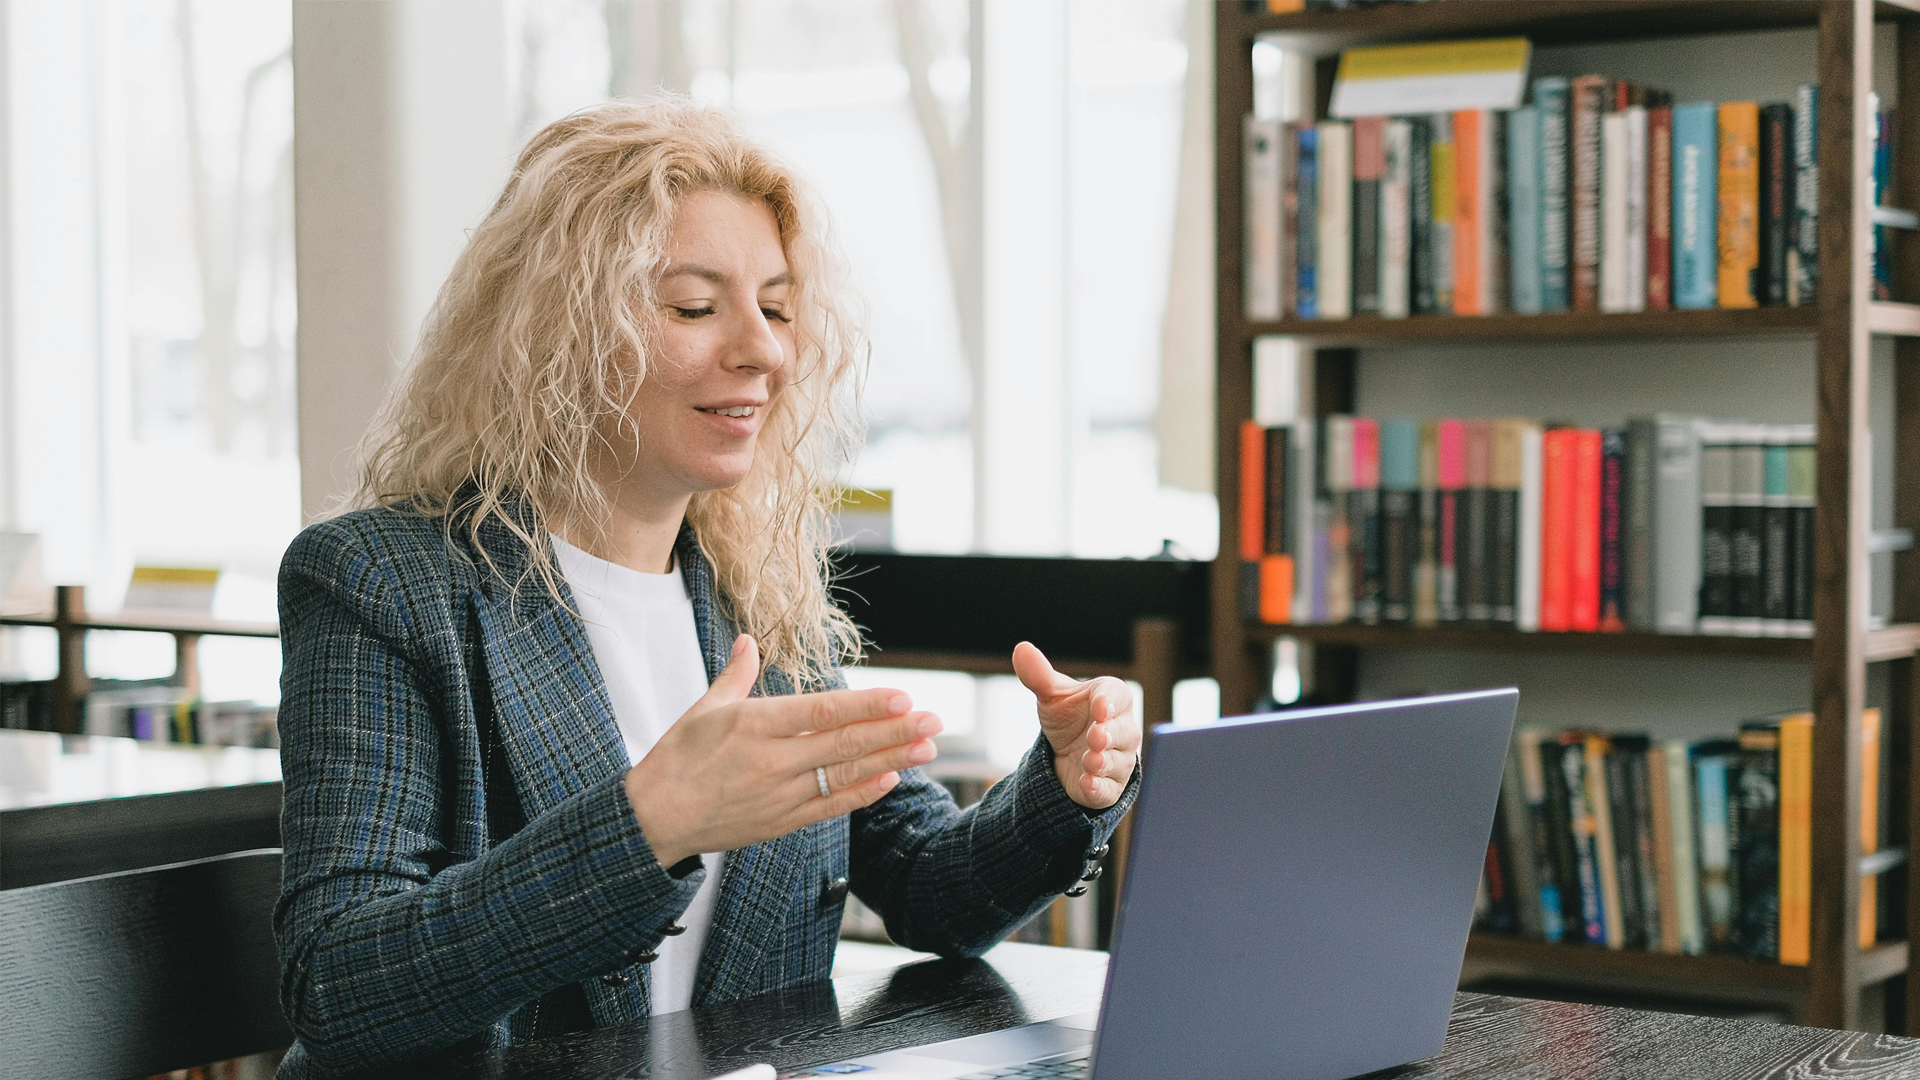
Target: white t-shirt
{"points": [[643, 636]]}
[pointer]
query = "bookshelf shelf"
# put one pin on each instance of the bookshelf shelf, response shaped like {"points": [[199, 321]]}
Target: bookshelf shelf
{"points": [[156, 622], [1551, 22], [1828, 992]]}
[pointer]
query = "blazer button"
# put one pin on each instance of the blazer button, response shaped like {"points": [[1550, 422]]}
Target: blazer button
{"points": [[1077, 890], [614, 978], [647, 957], [1099, 852], [674, 930], [1092, 874], [834, 893]]}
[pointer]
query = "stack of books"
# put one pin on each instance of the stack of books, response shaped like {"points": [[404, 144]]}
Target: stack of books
{"points": [[1601, 196], [152, 709], [1672, 846], [1668, 523]]}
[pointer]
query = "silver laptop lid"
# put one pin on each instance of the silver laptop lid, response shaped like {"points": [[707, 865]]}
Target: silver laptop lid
{"points": [[1300, 887]]}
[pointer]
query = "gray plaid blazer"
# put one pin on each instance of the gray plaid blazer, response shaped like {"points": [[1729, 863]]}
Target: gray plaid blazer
{"points": [[462, 867]]}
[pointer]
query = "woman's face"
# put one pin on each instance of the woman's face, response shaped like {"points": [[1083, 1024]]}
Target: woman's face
{"points": [[724, 335]]}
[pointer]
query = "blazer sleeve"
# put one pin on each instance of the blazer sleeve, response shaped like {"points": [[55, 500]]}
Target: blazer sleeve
{"points": [[391, 945], [956, 882]]}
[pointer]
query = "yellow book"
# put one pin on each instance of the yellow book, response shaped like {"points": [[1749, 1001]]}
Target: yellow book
{"points": [[1739, 203], [1796, 839], [1598, 806], [1869, 822]]}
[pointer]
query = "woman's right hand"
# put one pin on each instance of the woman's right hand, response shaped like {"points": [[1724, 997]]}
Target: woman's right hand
{"points": [[738, 770]]}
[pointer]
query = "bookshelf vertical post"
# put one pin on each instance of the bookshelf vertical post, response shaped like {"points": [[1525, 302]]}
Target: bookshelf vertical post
{"points": [[1842, 518], [1233, 403]]}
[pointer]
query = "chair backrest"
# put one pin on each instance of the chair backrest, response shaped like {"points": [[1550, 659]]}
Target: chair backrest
{"points": [[143, 971]]}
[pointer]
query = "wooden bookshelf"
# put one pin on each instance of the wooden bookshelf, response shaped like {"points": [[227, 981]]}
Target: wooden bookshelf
{"points": [[1840, 330]]}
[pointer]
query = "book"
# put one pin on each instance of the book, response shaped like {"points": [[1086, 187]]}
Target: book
{"points": [[1526, 586], [1746, 571], [1677, 524], [1517, 833], [1584, 833], [1583, 531], [1800, 513], [1758, 930], [1713, 760], [1399, 518], [1716, 529], [1260, 141], [1305, 499], [1473, 549], [1528, 744], [1551, 102], [1451, 453], [1696, 193], [1334, 602], [1363, 520], [1739, 204], [1369, 166], [1560, 777], [1473, 185], [1803, 256], [1624, 816], [1426, 595], [1423, 298], [1276, 584], [1613, 463], [1872, 792], [1880, 144], [1556, 529], [1615, 185], [1647, 839], [1660, 837], [1588, 95], [1637, 560], [1776, 539], [1776, 193], [1333, 277], [1443, 172], [1306, 228], [1503, 512], [1523, 209], [1682, 818], [1660, 207], [1395, 225], [1606, 856], [1795, 941], [1636, 207]]}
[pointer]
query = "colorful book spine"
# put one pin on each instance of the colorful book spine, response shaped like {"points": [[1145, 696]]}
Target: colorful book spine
{"points": [[1423, 300], [1556, 529], [1711, 762], [1395, 223], [1528, 744], [1562, 812], [1606, 856], [1613, 464], [1583, 533], [1796, 840], [1696, 194], [1335, 272], [1262, 161], [1253, 486], [1588, 97], [1523, 210], [1551, 101], [1870, 758], [1363, 519], [1776, 201], [1277, 565], [1758, 806], [1369, 167], [1444, 171], [1450, 442], [1584, 828], [1803, 260], [1306, 228], [1399, 517], [1739, 204], [1660, 208], [1882, 143], [1471, 139]]}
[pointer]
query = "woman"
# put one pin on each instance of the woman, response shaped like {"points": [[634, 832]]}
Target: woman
{"points": [[563, 734]]}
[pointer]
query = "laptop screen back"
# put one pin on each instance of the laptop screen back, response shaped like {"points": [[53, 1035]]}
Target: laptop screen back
{"points": [[1300, 888]]}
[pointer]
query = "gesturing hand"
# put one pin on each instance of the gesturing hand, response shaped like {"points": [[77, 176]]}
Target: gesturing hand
{"points": [[736, 771], [1092, 726]]}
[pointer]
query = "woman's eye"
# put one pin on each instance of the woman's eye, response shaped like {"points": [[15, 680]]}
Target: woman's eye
{"points": [[776, 314], [691, 312]]}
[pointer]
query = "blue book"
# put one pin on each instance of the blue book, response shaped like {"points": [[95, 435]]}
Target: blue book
{"points": [[1696, 205], [1550, 103], [1716, 855], [1523, 209], [1306, 222]]}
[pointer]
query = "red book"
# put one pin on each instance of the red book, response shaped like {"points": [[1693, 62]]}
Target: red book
{"points": [[1556, 514], [1451, 450], [1660, 208], [1253, 491], [1583, 531]]}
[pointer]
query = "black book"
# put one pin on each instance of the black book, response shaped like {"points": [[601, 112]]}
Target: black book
{"points": [[1369, 164], [1716, 532], [1637, 523], [1776, 538], [1420, 254], [1745, 527], [1757, 856], [1473, 544], [1613, 467], [1365, 561], [1776, 200], [1641, 781], [1626, 832], [1504, 510], [1560, 849], [1280, 535], [1400, 544], [1500, 914], [1800, 492]]}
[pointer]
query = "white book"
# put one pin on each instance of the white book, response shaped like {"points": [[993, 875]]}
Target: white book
{"points": [[1636, 208], [1526, 612], [1685, 876], [1396, 234], [1333, 278], [1261, 152], [1614, 182], [1305, 554], [1276, 380], [1676, 523]]}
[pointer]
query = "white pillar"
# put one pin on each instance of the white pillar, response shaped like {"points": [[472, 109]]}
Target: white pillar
{"points": [[1026, 420], [402, 140]]}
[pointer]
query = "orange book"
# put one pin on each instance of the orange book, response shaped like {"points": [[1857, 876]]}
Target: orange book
{"points": [[1253, 491], [1796, 839], [1276, 589], [1869, 822], [1556, 512], [1739, 203], [1469, 134], [1583, 531]]}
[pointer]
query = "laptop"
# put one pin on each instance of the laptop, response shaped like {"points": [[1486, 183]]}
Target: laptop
{"points": [[1296, 902]]}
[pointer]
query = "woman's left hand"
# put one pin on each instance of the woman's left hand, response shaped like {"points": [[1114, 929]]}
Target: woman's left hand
{"points": [[1093, 726]]}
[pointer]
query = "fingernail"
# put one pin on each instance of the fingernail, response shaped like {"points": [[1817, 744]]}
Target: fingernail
{"points": [[739, 644], [889, 781], [921, 753], [899, 703], [929, 725]]}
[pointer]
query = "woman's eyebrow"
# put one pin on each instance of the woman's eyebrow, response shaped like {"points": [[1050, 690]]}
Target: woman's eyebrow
{"points": [[705, 273]]}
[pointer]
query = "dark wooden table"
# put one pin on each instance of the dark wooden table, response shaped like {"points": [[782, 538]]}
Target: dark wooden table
{"points": [[1490, 1037]]}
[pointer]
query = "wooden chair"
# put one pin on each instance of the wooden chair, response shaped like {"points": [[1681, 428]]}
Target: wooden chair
{"points": [[143, 971]]}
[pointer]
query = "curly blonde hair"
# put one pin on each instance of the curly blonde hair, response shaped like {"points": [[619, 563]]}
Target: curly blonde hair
{"points": [[546, 325]]}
